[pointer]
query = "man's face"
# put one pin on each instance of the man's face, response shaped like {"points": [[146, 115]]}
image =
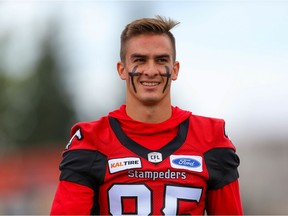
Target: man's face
{"points": [[149, 68]]}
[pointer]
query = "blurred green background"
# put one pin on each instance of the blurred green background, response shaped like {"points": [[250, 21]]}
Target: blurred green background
{"points": [[58, 67]]}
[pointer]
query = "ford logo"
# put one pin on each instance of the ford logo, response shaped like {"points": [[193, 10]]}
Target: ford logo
{"points": [[188, 162]]}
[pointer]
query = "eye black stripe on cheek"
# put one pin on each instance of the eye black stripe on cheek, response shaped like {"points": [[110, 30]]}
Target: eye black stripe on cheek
{"points": [[168, 75], [132, 75]]}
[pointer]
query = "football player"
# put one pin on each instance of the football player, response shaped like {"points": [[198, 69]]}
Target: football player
{"points": [[149, 157]]}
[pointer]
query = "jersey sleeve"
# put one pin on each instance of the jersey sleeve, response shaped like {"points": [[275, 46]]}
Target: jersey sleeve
{"points": [[220, 158], [225, 200], [72, 199], [223, 194], [82, 171], [222, 166]]}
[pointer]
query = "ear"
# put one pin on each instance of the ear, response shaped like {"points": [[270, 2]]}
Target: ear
{"points": [[121, 70], [175, 71]]}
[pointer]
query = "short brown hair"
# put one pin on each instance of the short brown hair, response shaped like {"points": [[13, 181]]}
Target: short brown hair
{"points": [[157, 25]]}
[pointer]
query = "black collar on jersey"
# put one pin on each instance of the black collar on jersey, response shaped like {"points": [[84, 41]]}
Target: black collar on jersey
{"points": [[166, 150]]}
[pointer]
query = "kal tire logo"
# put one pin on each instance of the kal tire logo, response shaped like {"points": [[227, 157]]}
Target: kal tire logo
{"points": [[188, 162], [120, 164]]}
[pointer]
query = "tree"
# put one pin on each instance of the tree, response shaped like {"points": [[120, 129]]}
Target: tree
{"points": [[36, 109]]}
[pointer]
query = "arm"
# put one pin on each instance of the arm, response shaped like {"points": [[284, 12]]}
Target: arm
{"points": [[223, 195], [72, 199], [82, 171], [225, 200]]}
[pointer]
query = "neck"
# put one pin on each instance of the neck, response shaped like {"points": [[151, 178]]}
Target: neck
{"points": [[149, 114]]}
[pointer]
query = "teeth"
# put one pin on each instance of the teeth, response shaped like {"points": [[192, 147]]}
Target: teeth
{"points": [[149, 83]]}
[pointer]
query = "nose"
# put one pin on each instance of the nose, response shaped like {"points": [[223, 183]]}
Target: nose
{"points": [[151, 70]]}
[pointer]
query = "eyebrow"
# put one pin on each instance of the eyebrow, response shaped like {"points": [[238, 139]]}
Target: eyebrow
{"points": [[136, 55], [163, 56]]}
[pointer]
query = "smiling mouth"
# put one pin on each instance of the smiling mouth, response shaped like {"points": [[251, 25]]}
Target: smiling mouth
{"points": [[150, 83]]}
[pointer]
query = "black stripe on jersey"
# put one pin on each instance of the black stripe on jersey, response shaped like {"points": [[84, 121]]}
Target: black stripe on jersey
{"points": [[166, 150], [84, 167], [222, 166]]}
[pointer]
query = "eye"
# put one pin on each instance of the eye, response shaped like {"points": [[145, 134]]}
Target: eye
{"points": [[139, 60], [162, 60]]}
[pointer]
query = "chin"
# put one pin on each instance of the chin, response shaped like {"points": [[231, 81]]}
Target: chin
{"points": [[150, 101]]}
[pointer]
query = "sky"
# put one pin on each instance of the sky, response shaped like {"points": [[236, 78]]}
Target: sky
{"points": [[233, 55]]}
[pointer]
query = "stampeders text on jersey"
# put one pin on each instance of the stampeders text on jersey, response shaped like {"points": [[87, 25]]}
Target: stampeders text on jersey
{"points": [[156, 175]]}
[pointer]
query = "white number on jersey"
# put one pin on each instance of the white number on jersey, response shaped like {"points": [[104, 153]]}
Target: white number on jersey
{"points": [[143, 196]]}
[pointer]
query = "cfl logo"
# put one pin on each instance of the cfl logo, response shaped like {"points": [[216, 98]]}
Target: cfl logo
{"points": [[155, 157]]}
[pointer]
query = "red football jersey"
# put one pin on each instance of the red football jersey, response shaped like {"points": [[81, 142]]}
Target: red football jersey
{"points": [[127, 176]]}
